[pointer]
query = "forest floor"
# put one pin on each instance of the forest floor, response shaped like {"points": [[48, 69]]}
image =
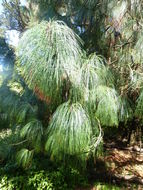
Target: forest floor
{"points": [[120, 168], [126, 164]]}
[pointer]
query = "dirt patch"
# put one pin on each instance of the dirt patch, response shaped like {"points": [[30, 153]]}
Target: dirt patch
{"points": [[125, 163], [121, 168]]}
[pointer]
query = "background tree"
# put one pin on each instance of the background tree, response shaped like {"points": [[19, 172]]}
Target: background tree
{"points": [[17, 16]]}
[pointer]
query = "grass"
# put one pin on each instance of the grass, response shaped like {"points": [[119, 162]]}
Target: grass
{"points": [[103, 186]]}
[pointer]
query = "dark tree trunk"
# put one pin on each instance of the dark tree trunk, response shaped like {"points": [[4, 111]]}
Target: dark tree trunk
{"points": [[135, 134]]}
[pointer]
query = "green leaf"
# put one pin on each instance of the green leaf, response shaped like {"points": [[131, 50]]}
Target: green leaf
{"points": [[106, 102], [33, 131], [49, 53], [69, 132], [24, 157]]}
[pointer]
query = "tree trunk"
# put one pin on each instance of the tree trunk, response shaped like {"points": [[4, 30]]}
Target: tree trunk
{"points": [[135, 134]]}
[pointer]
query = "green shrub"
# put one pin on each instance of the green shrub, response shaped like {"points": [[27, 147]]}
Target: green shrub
{"points": [[101, 186], [32, 181], [39, 181], [57, 179]]}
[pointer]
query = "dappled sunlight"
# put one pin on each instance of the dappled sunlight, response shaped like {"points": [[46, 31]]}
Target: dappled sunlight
{"points": [[125, 164], [12, 37]]}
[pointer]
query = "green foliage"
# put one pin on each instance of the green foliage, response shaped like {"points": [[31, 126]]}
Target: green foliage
{"points": [[55, 180], [4, 185], [102, 186], [139, 107], [106, 98], [24, 110], [86, 88], [33, 131], [24, 157], [16, 105], [96, 77], [68, 178], [69, 132], [34, 180], [95, 72], [126, 111], [45, 52], [52, 53], [4, 151], [60, 178], [7, 139], [83, 86], [39, 181]]}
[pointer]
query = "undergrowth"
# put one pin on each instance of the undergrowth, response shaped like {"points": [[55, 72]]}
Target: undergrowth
{"points": [[53, 177]]}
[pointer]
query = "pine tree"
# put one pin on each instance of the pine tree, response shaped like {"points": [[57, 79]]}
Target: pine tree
{"points": [[83, 59]]}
